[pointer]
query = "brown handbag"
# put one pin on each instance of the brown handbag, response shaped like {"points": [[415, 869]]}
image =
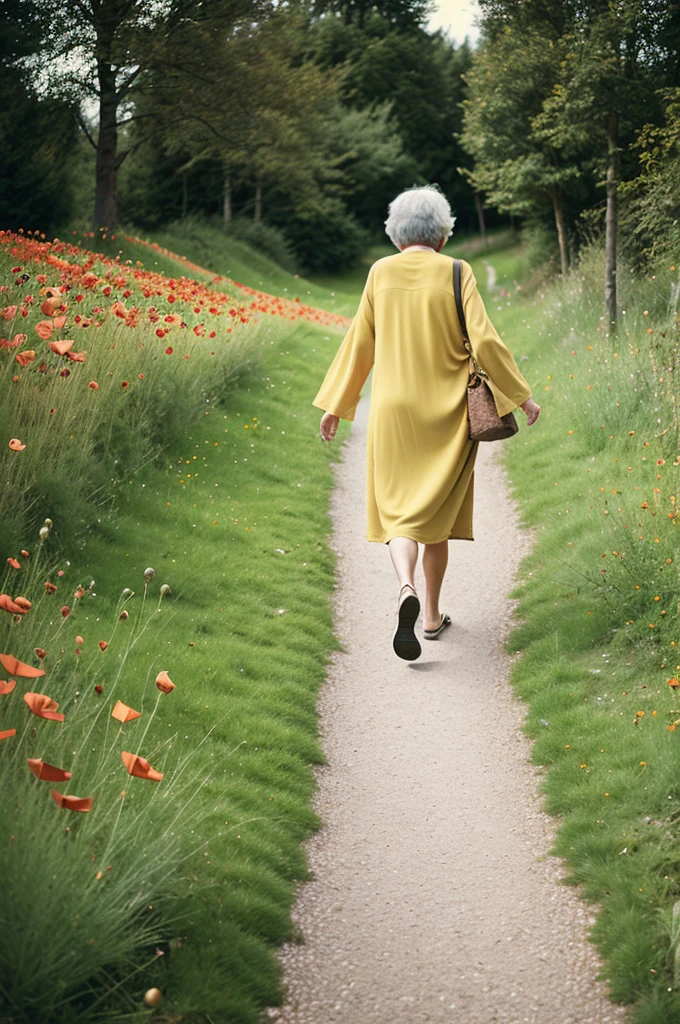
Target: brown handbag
{"points": [[485, 423]]}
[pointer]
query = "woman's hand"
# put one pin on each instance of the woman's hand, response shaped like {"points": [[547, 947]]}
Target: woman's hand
{"points": [[532, 410], [328, 426]]}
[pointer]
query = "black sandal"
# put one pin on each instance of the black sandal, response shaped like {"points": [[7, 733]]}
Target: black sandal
{"points": [[432, 634], [405, 642]]}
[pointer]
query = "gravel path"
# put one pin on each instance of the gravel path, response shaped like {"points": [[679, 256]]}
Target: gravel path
{"points": [[434, 899]]}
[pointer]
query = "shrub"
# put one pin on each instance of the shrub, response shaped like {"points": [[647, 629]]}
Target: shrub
{"points": [[265, 239]]}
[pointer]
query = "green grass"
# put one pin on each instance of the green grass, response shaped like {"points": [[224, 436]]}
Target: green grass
{"points": [[236, 524], [599, 631]]}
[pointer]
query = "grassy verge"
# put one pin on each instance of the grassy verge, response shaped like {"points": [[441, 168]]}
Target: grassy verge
{"points": [[597, 479], [235, 524]]}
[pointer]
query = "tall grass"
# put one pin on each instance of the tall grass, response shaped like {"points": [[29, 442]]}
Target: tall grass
{"points": [[600, 629]]}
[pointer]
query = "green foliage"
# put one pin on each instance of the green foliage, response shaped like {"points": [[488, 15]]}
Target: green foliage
{"points": [[266, 239], [596, 477], [327, 239]]}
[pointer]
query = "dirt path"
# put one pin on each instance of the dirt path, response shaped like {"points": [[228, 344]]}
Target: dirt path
{"points": [[433, 900]]}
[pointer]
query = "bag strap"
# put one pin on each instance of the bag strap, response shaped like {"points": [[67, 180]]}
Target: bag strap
{"points": [[458, 296]]}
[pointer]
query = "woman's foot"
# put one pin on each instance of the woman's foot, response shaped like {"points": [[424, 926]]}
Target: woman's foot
{"points": [[405, 642], [436, 631]]}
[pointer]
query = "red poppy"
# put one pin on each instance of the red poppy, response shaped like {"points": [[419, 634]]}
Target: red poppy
{"points": [[59, 322], [72, 803], [23, 603], [60, 348], [41, 652], [25, 357], [103, 644], [169, 350], [47, 772], [79, 640], [43, 706], [8, 605], [164, 683], [14, 667], [16, 445], [123, 713], [7, 733], [14, 563], [7, 685], [93, 386], [76, 357], [50, 588], [139, 767], [26, 554], [65, 611], [44, 330], [50, 306]]}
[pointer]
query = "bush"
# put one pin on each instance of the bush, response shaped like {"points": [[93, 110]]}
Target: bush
{"points": [[266, 239], [331, 239]]}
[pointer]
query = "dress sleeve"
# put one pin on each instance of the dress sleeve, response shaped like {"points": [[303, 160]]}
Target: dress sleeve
{"points": [[340, 392], [508, 386]]}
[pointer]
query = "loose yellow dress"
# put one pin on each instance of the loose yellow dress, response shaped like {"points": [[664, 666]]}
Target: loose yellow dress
{"points": [[419, 459]]}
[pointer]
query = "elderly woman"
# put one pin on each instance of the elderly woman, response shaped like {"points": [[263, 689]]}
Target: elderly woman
{"points": [[420, 460]]}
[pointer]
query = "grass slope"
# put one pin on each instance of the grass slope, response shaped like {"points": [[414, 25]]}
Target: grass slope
{"points": [[597, 481]]}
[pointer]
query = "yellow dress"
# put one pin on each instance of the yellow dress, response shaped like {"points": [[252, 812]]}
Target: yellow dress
{"points": [[419, 459]]}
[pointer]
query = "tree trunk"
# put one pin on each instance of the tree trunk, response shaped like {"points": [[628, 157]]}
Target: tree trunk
{"points": [[611, 226], [107, 144], [558, 210], [257, 217], [480, 218], [226, 205]]}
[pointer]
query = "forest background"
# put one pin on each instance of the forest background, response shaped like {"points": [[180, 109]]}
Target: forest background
{"points": [[293, 124]]}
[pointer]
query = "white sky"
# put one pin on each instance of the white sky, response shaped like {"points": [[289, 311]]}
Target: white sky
{"points": [[457, 17]]}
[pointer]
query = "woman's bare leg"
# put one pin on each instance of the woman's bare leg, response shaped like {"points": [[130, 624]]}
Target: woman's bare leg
{"points": [[404, 554], [435, 560]]}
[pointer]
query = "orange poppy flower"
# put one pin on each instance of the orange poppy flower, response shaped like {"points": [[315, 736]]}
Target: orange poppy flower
{"points": [[51, 588], [59, 322], [123, 713], [23, 603], [93, 386], [164, 682], [76, 357], [8, 605], [50, 306], [7, 685], [7, 734], [8, 313], [674, 683], [43, 706], [79, 640], [52, 292], [14, 563], [137, 766], [14, 667], [25, 357], [103, 644], [44, 330], [16, 445], [47, 772], [40, 651], [72, 803], [26, 554], [60, 348]]}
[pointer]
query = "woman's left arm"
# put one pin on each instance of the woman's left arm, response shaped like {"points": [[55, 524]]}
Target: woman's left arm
{"points": [[492, 355]]}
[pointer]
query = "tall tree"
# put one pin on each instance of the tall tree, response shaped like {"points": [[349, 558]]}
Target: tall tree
{"points": [[102, 52]]}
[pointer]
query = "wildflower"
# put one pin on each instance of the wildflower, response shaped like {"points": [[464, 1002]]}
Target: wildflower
{"points": [[164, 683], [26, 554], [13, 562], [80, 641], [7, 734], [47, 772], [125, 384], [79, 593], [169, 350], [8, 605], [72, 803], [44, 330], [123, 713], [43, 706], [16, 445], [6, 686], [103, 644], [61, 348], [674, 683], [99, 688], [50, 587], [124, 615], [65, 611], [26, 357], [139, 767]]}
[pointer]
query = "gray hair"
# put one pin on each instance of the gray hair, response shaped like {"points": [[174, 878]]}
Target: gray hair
{"points": [[419, 216]]}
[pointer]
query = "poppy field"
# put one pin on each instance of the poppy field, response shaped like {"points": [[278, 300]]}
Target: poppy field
{"points": [[599, 636], [164, 532]]}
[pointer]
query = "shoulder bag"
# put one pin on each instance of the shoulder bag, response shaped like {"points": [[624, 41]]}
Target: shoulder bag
{"points": [[485, 423]]}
